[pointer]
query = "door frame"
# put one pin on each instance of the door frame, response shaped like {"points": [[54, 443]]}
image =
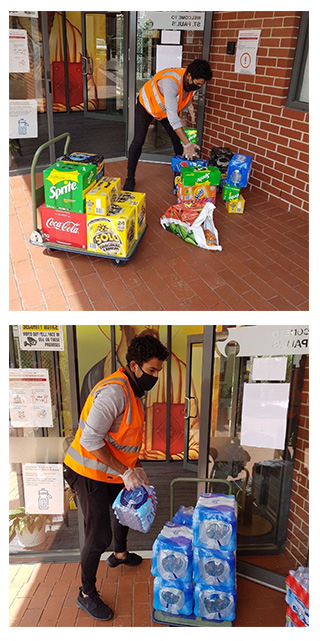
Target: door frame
{"points": [[192, 339], [99, 115], [162, 158]]}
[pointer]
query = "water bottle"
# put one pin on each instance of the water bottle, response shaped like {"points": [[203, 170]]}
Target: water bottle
{"points": [[174, 597], [184, 515], [172, 553], [239, 169], [213, 567], [136, 508], [214, 604], [214, 522], [297, 593]]}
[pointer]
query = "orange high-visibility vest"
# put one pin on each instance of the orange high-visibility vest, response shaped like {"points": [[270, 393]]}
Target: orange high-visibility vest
{"points": [[124, 443], [153, 101]]}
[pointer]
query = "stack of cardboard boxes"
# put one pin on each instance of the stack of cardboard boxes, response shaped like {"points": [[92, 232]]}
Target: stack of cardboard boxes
{"points": [[87, 210]]}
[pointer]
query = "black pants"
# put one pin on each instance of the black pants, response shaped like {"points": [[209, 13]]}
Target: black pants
{"points": [[141, 124], [95, 497]]}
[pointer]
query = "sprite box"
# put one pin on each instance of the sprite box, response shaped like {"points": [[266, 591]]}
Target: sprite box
{"points": [[66, 185], [194, 176], [191, 134], [230, 192]]}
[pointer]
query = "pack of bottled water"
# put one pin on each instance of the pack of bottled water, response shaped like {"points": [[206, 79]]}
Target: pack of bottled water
{"points": [[214, 556], [214, 568], [175, 597], [238, 170], [215, 604], [136, 508], [184, 515], [172, 553], [215, 522], [297, 597]]}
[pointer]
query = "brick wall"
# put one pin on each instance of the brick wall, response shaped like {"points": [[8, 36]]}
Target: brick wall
{"points": [[298, 523], [249, 113]]}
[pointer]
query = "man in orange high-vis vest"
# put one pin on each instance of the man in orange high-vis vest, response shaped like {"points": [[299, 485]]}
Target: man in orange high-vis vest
{"points": [[103, 458], [162, 98]]}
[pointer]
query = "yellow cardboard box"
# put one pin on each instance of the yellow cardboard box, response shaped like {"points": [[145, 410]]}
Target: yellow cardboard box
{"points": [[111, 235], [138, 201], [236, 206], [99, 199], [116, 186]]}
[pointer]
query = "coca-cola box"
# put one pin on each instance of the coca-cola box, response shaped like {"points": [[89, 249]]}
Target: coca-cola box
{"points": [[64, 227]]}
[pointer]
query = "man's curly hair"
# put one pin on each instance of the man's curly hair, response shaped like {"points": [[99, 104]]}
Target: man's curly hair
{"points": [[199, 69], [143, 348]]}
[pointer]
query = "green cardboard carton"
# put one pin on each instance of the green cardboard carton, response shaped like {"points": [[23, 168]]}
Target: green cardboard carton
{"points": [[230, 192], [193, 176], [66, 185]]}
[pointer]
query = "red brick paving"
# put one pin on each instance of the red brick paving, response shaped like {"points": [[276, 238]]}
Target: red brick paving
{"points": [[44, 595], [263, 264]]}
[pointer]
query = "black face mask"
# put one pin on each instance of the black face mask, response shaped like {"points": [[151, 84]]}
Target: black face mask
{"points": [[190, 86], [146, 382]]}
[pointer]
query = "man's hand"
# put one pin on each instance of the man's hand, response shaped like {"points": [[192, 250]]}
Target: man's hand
{"points": [[131, 479], [190, 150]]}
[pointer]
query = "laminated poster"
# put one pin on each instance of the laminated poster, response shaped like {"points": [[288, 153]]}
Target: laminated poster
{"points": [[30, 398], [264, 415], [246, 55], [43, 488]]}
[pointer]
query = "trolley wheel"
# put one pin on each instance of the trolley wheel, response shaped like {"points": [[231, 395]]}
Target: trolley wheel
{"points": [[37, 236], [118, 263]]}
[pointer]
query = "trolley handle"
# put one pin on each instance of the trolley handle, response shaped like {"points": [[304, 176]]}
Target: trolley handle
{"points": [[38, 194], [195, 480]]}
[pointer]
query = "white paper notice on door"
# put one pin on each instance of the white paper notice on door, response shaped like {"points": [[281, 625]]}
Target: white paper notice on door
{"points": [[43, 488], [30, 398], [269, 369], [264, 415], [168, 56]]}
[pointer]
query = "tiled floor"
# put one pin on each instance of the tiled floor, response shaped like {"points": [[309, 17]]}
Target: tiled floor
{"points": [[44, 595], [263, 264]]}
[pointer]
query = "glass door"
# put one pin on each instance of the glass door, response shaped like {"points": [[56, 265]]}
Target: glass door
{"points": [[261, 472], [192, 401], [104, 49], [164, 39], [30, 115], [42, 535]]}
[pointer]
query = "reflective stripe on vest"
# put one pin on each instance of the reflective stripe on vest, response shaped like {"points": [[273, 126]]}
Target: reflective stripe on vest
{"points": [[153, 101], [124, 442]]}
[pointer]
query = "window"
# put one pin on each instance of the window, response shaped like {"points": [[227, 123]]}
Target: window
{"points": [[298, 97]]}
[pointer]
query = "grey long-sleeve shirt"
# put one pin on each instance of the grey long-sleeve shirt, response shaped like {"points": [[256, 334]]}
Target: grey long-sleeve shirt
{"points": [[107, 410], [168, 89]]}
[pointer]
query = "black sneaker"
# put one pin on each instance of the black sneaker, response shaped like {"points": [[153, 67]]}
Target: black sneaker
{"points": [[129, 184], [94, 606], [131, 559]]}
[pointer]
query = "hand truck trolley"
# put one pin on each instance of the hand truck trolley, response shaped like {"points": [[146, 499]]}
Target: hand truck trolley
{"points": [[37, 236]]}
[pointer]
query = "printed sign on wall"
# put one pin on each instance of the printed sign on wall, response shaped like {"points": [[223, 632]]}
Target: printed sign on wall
{"points": [[246, 54]]}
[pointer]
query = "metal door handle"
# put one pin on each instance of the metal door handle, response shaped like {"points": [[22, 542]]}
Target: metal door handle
{"points": [[84, 65], [187, 407], [91, 66]]}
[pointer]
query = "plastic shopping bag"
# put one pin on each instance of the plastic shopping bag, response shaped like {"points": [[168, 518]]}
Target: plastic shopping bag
{"points": [[194, 224]]}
